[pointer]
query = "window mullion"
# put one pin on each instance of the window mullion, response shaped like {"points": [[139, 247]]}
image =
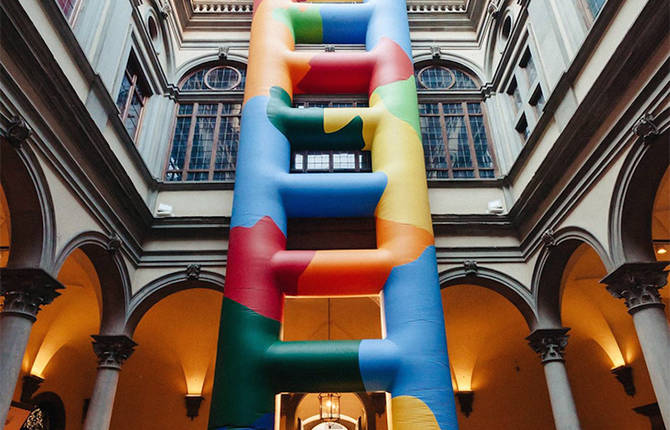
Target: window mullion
{"points": [[215, 142], [129, 98], [189, 144], [471, 140], [445, 139]]}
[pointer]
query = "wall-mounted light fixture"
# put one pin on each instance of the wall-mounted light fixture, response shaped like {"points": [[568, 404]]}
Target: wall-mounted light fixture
{"points": [[193, 402], [465, 400], [624, 374], [31, 383]]}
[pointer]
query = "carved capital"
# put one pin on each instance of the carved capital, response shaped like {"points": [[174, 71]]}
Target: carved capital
{"points": [[164, 9], [329, 48], [470, 267], [436, 52], [112, 350], [645, 126], [549, 343], [26, 291], [638, 284], [17, 132], [193, 272]]}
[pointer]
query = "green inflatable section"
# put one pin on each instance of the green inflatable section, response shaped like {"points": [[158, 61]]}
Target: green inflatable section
{"points": [[400, 99], [240, 364], [304, 127], [305, 25]]}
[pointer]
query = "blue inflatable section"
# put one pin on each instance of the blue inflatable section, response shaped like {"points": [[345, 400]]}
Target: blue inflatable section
{"points": [[345, 24], [389, 20], [413, 305], [333, 194], [262, 160]]}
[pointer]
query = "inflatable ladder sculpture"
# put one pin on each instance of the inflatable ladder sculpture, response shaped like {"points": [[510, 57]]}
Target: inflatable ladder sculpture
{"points": [[253, 364]]}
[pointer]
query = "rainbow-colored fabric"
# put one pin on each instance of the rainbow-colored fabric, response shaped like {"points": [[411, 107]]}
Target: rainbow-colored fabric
{"points": [[253, 364]]}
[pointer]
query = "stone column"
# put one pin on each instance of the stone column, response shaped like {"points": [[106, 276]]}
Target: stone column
{"points": [[25, 291], [550, 344], [638, 285], [112, 351]]}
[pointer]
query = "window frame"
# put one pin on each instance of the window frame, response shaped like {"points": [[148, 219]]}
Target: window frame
{"points": [[463, 97], [72, 17], [530, 90], [133, 73]]}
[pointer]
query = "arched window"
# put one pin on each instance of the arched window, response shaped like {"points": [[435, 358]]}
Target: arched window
{"points": [[453, 124], [207, 124]]}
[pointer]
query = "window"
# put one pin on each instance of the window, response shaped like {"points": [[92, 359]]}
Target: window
{"points": [[132, 97], [207, 131], [330, 161], [526, 95], [68, 7], [591, 8], [453, 126]]}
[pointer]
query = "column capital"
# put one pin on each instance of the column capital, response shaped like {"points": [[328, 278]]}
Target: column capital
{"points": [[112, 350], [638, 284], [26, 291], [550, 343]]}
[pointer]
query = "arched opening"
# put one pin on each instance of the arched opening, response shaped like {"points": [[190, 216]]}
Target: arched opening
{"points": [[177, 339], [489, 357], [602, 348], [59, 358], [660, 230], [5, 229]]}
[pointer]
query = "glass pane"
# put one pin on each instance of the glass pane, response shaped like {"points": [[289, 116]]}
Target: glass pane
{"points": [[486, 174], [173, 176], [195, 82], [452, 108], [342, 104], [595, 6], [463, 81], [185, 109], [224, 176], [318, 161], [531, 70], [429, 108], [436, 77], [203, 138], [208, 109], [433, 146], [197, 176], [297, 162], [464, 174], [67, 6], [481, 143], [318, 104], [134, 111], [179, 141], [475, 108], [345, 161], [122, 98], [229, 137], [231, 109], [223, 78], [457, 142]]}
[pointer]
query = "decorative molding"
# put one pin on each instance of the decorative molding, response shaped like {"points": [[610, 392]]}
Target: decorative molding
{"points": [[329, 47], [112, 350], [435, 52], [645, 126], [470, 267], [638, 284], [223, 52], [549, 238], [164, 9], [193, 272], [26, 291], [113, 244], [18, 131], [549, 343]]}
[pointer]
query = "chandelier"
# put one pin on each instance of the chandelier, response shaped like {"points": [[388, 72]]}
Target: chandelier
{"points": [[329, 407]]}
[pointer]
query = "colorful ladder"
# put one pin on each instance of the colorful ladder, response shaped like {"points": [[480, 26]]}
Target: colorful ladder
{"points": [[253, 364]]}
